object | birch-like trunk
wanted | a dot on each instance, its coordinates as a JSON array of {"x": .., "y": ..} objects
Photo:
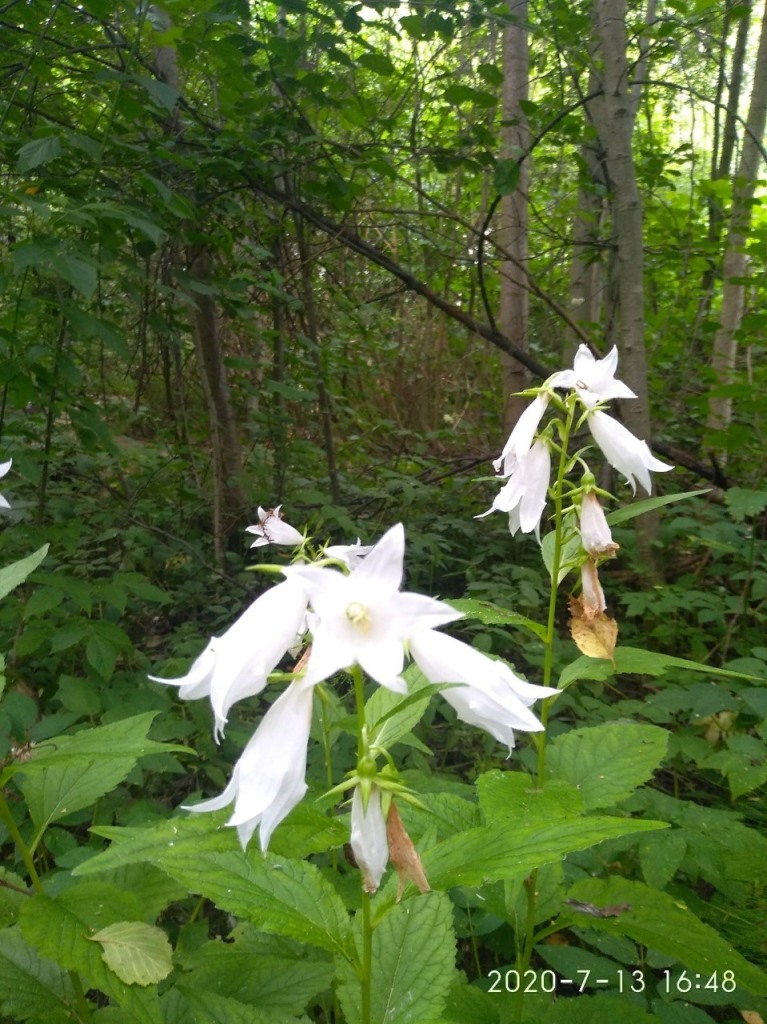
[
  {"x": 515, "y": 140},
  {"x": 735, "y": 262}
]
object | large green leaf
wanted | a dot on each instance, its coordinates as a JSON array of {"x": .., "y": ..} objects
[
  {"x": 515, "y": 795},
  {"x": 31, "y": 985},
  {"x": 492, "y": 853},
  {"x": 59, "y": 934},
  {"x": 607, "y": 762},
  {"x": 70, "y": 773},
  {"x": 413, "y": 964},
  {"x": 638, "y": 508},
  {"x": 261, "y": 970},
  {"x": 637, "y": 661},
  {"x": 15, "y": 573},
  {"x": 280, "y": 895},
  {"x": 187, "y": 1005},
  {"x": 662, "y": 923}
]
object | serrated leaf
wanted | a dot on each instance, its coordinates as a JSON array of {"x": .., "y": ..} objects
[
  {"x": 413, "y": 964},
  {"x": 184, "y": 1004},
  {"x": 516, "y": 795},
  {"x": 662, "y": 923},
  {"x": 71, "y": 773},
  {"x": 30, "y": 985},
  {"x": 280, "y": 895},
  {"x": 14, "y": 574},
  {"x": 661, "y": 856},
  {"x": 138, "y": 953},
  {"x": 607, "y": 762},
  {"x": 743, "y": 502},
  {"x": 492, "y": 853},
  {"x": 61, "y": 935},
  {"x": 38, "y": 152},
  {"x": 251, "y": 972},
  {"x": 493, "y": 615}
]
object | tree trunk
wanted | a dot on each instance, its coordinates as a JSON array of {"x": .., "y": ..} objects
[
  {"x": 515, "y": 142},
  {"x": 229, "y": 502},
  {"x": 735, "y": 263}
]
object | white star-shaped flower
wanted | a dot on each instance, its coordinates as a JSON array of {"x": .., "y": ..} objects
[{"x": 363, "y": 618}]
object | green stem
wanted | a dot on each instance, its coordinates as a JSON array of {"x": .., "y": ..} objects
[
  {"x": 328, "y": 751},
  {"x": 24, "y": 851},
  {"x": 366, "y": 967},
  {"x": 81, "y": 1003},
  {"x": 524, "y": 958}
]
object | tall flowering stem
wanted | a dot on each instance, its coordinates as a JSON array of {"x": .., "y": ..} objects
[
  {"x": 525, "y": 949},
  {"x": 366, "y": 967},
  {"x": 548, "y": 661}
]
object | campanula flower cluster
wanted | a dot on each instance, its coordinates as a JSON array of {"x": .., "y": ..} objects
[
  {"x": 355, "y": 614},
  {"x": 525, "y": 461}
]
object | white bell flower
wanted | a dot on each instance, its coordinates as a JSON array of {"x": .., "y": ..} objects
[
  {"x": 491, "y": 697},
  {"x": 593, "y": 379},
  {"x": 4, "y": 467},
  {"x": 272, "y": 529},
  {"x": 521, "y": 438},
  {"x": 624, "y": 451},
  {"x": 524, "y": 494},
  {"x": 369, "y": 842},
  {"x": 236, "y": 664},
  {"x": 596, "y": 537},
  {"x": 269, "y": 778},
  {"x": 363, "y": 618}
]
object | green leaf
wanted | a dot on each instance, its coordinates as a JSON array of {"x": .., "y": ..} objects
[
  {"x": 638, "y": 661},
  {"x": 257, "y": 970},
  {"x": 638, "y": 508},
  {"x": 72, "y": 772},
  {"x": 493, "y": 615},
  {"x": 14, "y": 574},
  {"x": 492, "y": 853},
  {"x": 662, "y": 923},
  {"x": 31, "y": 985},
  {"x": 661, "y": 856},
  {"x": 184, "y": 1004},
  {"x": 138, "y": 953},
  {"x": 744, "y": 503},
  {"x": 413, "y": 964},
  {"x": 391, "y": 716},
  {"x": 77, "y": 272},
  {"x": 607, "y": 762},
  {"x": 282, "y": 896},
  {"x": 378, "y": 63},
  {"x": 458, "y": 94},
  {"x": 506, "y": 177},
  {"x": 515, "y": 795},
  {"x": 60, "y": 934},
  {"x": 101, "y": 655},
  {"x": 38, "y": 152}
]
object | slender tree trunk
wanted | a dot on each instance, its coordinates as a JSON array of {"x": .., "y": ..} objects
[
  {"x": 587, "y": 266},
  {"x": 515, "y": 141},
  {"x": 725, "y": 138},
  {"x": 735, "y": 262},
  {"x": 229, "y": 502},
  {"x": 613, "y": 114}
]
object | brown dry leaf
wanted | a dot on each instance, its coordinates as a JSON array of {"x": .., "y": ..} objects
[
  {"x": 593, "y": 635},
  {"x": 404, "y": 855},
  {"x": 752, "y": 1017}
]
